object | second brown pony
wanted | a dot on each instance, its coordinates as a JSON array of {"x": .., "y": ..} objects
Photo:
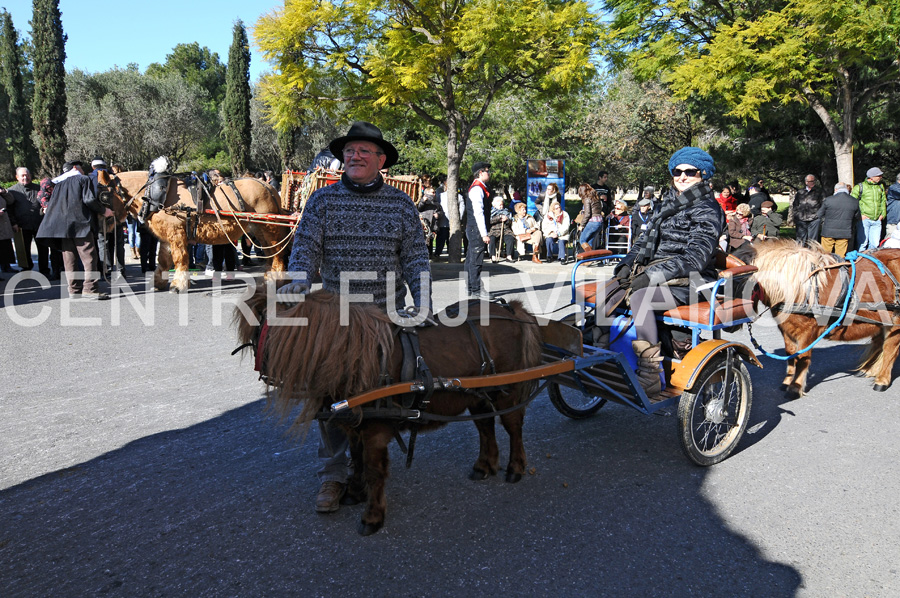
[
  {"x": 793, "y": 278},
  {"x": 171, "y": 227},
  {"x": 324, "y": 361}
]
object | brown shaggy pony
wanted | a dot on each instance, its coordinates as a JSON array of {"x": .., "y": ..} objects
[
  {"x": 323, "y": 362},
  {"x": 169, "y": 225},
  {"x": 791, "y": 275}
]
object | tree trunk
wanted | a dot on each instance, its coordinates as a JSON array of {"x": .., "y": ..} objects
[
  {"x": 456, "y": 148},
  {"x": 843, "y": 153}
]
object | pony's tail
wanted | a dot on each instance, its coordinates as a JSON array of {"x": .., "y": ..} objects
[{"x": 531, "y": 345}]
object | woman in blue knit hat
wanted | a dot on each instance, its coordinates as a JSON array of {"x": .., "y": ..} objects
[{"x": 674, "y": 256}]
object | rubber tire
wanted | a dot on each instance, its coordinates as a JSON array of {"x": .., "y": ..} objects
[
  {"x": 558, "y": 398},
  {"x": 693, "y": 441}
]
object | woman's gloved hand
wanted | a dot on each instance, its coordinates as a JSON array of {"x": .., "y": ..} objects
[
  {"x": 641, "y": 281},
  {"x": 622, "y": 271}
]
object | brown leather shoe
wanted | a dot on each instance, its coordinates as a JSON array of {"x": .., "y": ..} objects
[
  {"x": 587, "y": 247},
  {"x": 329, "y": 498},
  {"x": 535, "y": 258}
]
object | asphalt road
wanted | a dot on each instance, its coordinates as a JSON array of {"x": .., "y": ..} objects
[{"x": 137, "y": 459}]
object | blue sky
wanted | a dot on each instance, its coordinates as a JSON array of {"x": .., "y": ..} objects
[{"x": 106, "y": 34}]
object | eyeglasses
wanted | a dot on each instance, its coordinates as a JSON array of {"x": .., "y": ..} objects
[
  {"x": 688, "y": 172},
  {"x": 362, "y": 153}
]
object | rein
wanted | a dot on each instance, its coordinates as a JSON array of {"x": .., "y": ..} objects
[{"x": 852, "y": 257}]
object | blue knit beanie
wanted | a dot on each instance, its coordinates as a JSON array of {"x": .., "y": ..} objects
[{"x": 695, "y": 157}]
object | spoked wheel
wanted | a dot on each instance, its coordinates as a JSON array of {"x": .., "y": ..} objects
[
  {"x": 574, "y": 403},
  {"x": 713, "y": 416}
]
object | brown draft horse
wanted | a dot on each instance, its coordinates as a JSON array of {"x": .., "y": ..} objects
[
  {"x": 170, "y": 225},
  {"x": 322, "y": 362},
  {"x": 791, "y": 275}
]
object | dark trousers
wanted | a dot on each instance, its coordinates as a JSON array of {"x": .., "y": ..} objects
[
  {"x": 224, "y": 253},
  {"x": 474, "y": 259},
  {"x": 84, "y": 250},
  {"x": 441, "y": 238},
  {"x": 147, "y": 249},
  {"x": 7, "y": 255},
  {"x": 115, "y": 247},
  {"x": 807, "y": 231},
  {"x": 508, "y": 240},
  {"x": 43, "y": 251}
]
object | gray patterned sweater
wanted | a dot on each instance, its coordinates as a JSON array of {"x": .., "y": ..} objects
[{"x": 364, "y": 236}]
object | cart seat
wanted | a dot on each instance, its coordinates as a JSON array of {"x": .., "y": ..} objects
[{"x": 730, "y": 310}]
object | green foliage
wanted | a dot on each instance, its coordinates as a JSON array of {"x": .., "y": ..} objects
[
  {"x": 438, "y": 62},
  {"x": 17, "y": 130},
  {"x": 236, "y": 107},
  {"x": 130, "y": 118},
  {"x": 198, "y": 66},
  {"x": 834, "y": 57},
  {"x": 49, "y": 110}
]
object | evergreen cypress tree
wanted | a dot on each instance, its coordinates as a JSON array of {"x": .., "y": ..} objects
[
  {"x": 49, "y": 109},
  {"x": 18, "y": 132},
  {"x": 237, "y": 101}
]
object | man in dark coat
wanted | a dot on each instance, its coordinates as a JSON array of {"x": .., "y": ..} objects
[
  {"x": 838, "y": 215},
  {"x": 806, "y": 206},
  {"x": 25, "y": 210},
  {"x": 71, "y": 223}
]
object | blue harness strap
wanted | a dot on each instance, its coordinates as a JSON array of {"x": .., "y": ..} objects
[{"x": 852, "y": 257}]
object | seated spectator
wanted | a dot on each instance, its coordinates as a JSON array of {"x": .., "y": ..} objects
[
  {"x": 501, "y": 227},
  {"x": 893, "y": 240},
  {"x": 618, "y": 217},
  {"x": 526, "y": 230},
  {"x": 766, "y": 225},
  {"x": 555, "y": 226},
  {"x": 739, "y": 227}
]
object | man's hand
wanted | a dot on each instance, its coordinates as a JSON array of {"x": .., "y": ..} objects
[
  {"x": 411, "y": 316},
  {"x": 287, "y": 294},
  {"x": 622, "y": 271},
  {"x": 486, "y": 239}
]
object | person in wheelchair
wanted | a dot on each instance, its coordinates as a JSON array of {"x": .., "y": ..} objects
[{"x": 674, "y": 256}]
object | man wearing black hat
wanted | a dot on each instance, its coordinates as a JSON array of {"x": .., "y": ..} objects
[
  {"x": 71, "y": 223},
  {"x": 358, "y": 233},
  {"x": 478, "y": 207}
]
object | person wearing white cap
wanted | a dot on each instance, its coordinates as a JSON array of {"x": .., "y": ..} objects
[{"x": 872, "y": 208}]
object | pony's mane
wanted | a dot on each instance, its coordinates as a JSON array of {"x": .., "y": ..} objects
[
  {"x": 321, "y": 361},
  {"x": 785, "y": 267}
]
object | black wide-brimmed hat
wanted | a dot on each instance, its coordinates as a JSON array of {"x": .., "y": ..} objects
[{"x": 363, "y": 131}]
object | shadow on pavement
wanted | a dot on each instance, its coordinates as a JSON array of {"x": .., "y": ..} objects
[{"x": 225, "y": 508}]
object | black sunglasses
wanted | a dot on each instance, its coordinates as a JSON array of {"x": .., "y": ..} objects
[{"x": 690, "y": 172}]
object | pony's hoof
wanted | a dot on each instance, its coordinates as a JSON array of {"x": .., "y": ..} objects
[
  {"x": 784, "y": 387},
  {"x": 880, "y": 387},
  {"x": 367, "y": 529},
  {"x": 174, "y": 290},
  {"x": 792, "y": 394},
  {"x": 478, "y": 475},
  {"x": 513, "y": 477}
]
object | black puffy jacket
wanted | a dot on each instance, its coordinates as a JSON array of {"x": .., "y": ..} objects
[{"x": 689, "y": 239}]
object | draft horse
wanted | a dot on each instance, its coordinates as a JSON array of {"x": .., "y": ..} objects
[
  {"x": 323, "y": 362},
  {"x": 806, "y": 289},
  {"x": 178, "y": 224}
]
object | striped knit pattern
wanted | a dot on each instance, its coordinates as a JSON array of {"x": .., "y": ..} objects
[{"x": 366, "y": 234}]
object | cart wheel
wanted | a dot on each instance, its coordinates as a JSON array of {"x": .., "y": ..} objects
[
  {"x": 712, "y": 418},
  {"x": 574, "y": 403}
]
